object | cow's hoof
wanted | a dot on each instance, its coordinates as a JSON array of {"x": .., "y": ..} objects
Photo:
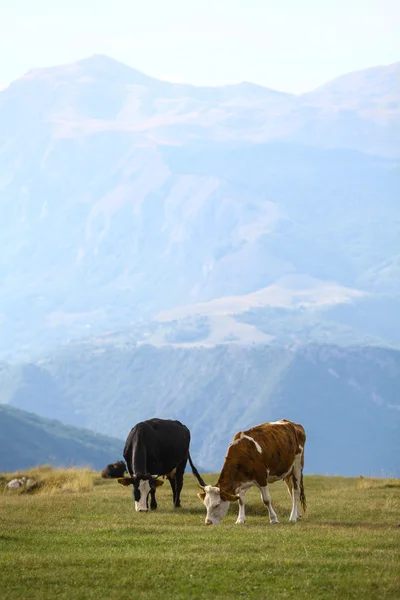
[
  {"x": 153, "y": 507},
  {"x": 276, "y": 522},
  {"x": 240, "y": 522}
]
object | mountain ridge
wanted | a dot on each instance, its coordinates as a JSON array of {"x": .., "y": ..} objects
[
  {"x": 28, "y": 440},
  {"x": 103, "y": 63},
  {"x": 234, "y": 111}
]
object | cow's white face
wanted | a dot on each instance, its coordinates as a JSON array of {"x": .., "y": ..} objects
[
  {"x": 143, "y": 489},
  {"x": 216, "y": 506}
]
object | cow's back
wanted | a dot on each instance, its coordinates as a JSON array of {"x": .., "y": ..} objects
[
  {"x": 277, "y": 432},
  {"x": 156, "y": 446},
  {"x": 266, "y": 448},
  {"x": 301, "y": 434}
]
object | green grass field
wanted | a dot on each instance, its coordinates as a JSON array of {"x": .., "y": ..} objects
[{"x": 62, "y": 542}]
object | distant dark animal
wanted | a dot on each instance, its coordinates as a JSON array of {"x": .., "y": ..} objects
[
  {"x": 155, "y": 448},
  {"x": 114, "y": 470},
  {"x": 259, "y": 456}
]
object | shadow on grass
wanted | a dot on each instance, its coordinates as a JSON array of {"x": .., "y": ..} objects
[
  {"x": 183, "y": 510},
  {"x": 8, "y": 538},
  {"x": 354, "y": 524}
]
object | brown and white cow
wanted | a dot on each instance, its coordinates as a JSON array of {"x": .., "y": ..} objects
[{"x": 257, "y": 457}]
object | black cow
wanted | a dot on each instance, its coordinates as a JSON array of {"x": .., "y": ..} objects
[
  {"x": 154, "y": 448},
  {"x": 114, "y": 470}
]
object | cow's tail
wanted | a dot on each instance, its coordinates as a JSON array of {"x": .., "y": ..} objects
[
  {"x": 195, "y": 472},
  {"x": 302, "y": 494},
  {"x": 301, "y": 440}
]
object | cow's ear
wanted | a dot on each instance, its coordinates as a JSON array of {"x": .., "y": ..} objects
[
  {"x": 157, "y": 483},
  {"x": 125, "y": 481},
  {"x": 202, "y": 496},
  {"x": 225, "y": 496}
]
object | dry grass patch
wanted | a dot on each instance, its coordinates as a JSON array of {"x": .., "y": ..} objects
[
  {"x": 372, "y": 482},
  {"x": 53, "y": 481},
  {"x": 68, "y": 480}
]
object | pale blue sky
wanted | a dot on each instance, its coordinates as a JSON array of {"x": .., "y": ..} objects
[{"x": 291, "y": 45}]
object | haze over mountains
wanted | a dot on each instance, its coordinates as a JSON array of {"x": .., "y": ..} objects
[
  {"x": 123, "y": 197},
  {"x": 152, "y": 228}
]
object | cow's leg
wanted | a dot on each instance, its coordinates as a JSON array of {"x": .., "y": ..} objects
[
  {"x": 242, "y": 501},
  {"x": 172, "y": 480},
  {"x": 179, "y": 483},
  {"x": 289, "y": 485},
  {"x": 296, "y": 478},
  {"x": 266, "y": 498},
  {"x": 153, "y": 501}
]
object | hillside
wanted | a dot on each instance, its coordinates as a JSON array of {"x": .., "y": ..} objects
[
  {"x": 27, "y": 440},
  {"x": 346, "y": 398},
  {"x": 124, "y": 198}
]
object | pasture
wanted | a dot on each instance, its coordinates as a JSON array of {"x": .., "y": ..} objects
[{"x": 79, "y": 537}]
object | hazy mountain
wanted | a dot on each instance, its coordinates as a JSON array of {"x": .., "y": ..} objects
[
  {"x": 199, "y": 239},
  {"x": 100, "y": 94},
  {"x": 123, "y": 197},
  {"x": 371, "y": 91},
  {"x": 362, "y": 110},
  {"x": 27, "y": 440},
  {"x": 346, "y": 398}
]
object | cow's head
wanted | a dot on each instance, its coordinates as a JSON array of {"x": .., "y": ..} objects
[
  {"x": 114, "y": 470},
  {"x": 216, "y": 502},
  {"x": 142, "y": 486}
]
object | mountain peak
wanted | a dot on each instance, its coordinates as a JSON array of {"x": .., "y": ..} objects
[
  {"x": 97, "y": 66},
  {"x": 100, "y": 60},
  {"x": 365, "y": 85},
  {"x": 105, "y": 66}
]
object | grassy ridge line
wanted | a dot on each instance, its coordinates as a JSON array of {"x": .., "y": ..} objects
[{"x": 94, "y": 545}]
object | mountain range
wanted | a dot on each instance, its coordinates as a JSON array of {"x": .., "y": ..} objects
[
  {"x": 224, "y": 256},
  {"x": 133, "y": 204},
  {"x": 346, "y": 398}
]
